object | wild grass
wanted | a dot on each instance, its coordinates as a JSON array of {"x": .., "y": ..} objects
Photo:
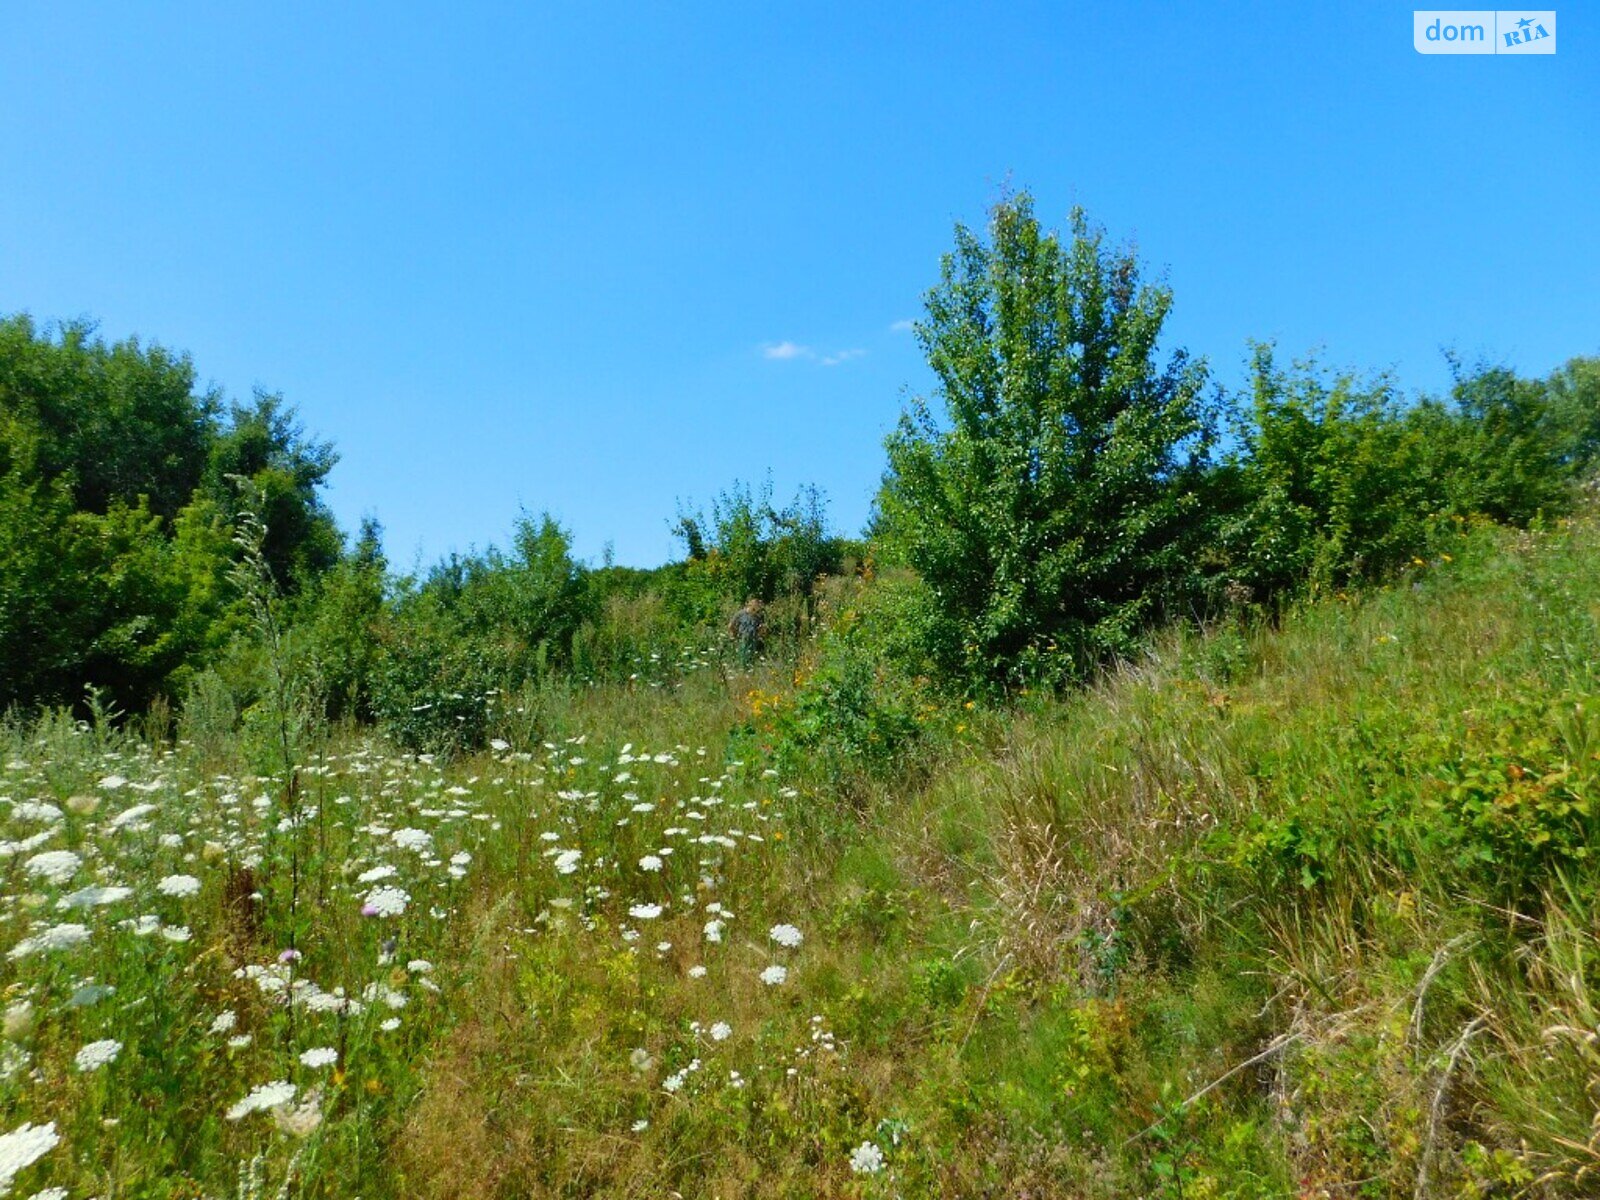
[{"x": 1293, "y": 908}]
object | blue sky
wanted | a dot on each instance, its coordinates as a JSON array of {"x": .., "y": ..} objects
[{"x": 536, "y": 256}]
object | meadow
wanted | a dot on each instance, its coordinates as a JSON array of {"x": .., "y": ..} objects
[
  {"x": 1296, "y": 908},
  {"x": 1171, "y": 793}
]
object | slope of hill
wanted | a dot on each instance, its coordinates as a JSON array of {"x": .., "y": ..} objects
[{"x": 1294, "y": 911}]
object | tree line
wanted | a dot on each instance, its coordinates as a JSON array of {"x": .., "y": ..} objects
[{"x": 1071, "y": 483}]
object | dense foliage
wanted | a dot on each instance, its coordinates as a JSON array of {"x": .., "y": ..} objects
[
  {"x": 1076, "y": 492},
  {"x": 1057, "y": 513},
  {"x": 119, "y": 485}
]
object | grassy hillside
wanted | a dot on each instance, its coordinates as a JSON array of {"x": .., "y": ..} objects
[{"x": 1293, "y": 911}]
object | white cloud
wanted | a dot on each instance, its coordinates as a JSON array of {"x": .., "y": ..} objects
[
  {"x": 787, "y": 350},
  {"x": 902, "y": 326},
  {"x": 841, "y": 356}
]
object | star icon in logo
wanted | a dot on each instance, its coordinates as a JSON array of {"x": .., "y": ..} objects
[{"x": 1524, "y": 23}]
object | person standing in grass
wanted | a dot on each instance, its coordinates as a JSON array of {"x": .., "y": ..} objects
[{"x": 746, "y": 627}]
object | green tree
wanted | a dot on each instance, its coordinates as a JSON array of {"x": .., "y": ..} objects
[
  {"x": 345, "y": 622},
  {"x": 264, "y": 444},
  {"x": 1054, "y": 514},
  {"x": 118, "y": 492},
  {"x": 113, "y": 422}
]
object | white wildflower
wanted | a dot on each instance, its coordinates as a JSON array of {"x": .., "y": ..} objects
[
  {"x": 57, "y": 937},
  {"x": 23, "y": 1147},
  {"x": 261, "y": 1098},
  {"x": 650, "y": 862},
  {"x": 132, "y": 818},
  {"x": 321, "y": 1056},
  {"x": 417, "y": 840},
  {"x": 178, "y": 885},
  {"x": 386, "y": 901},
  {"x": 93, "y": 896},
  {"x": 774, "y": 975},
  {"x": 866, "y": 1159},
  {"x": 57, "y": 866},
  {"x": 97, "y": 1054}
]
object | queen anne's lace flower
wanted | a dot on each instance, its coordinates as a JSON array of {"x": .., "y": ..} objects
[
  {"x": 57, "y": 866},
  {"x": 23, "y": 1147},
  {"x": 97, "y": 1054},
  {"x": 261, "y": 1098},
  {"x": 57, "y": 937},
  {"x": 386, "y": 901},
  {"x": 866, "y": 1159}
]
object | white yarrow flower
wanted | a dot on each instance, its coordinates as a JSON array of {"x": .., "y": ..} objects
[
  {"x": 786, "y": 935},
  {"x": 774, "y": 975},
  {"x": 322, "y": 1056},
  {"x": 650, "y": 862},
  {"x": 179, "y": 885}
]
